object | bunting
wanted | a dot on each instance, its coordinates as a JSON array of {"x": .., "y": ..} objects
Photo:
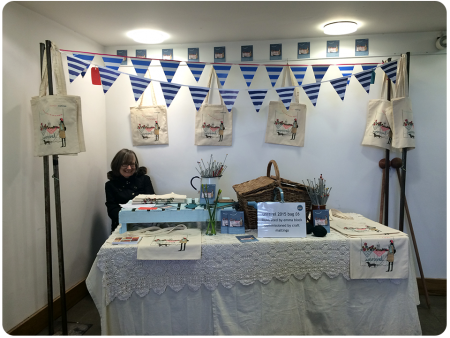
[
  {"x": 257, "y": 96},
  {"x": 76, "y": 66},
  {"x": 285, "y": 95},
  {"x": 112, "y": 62},
  {"x": 138, "y": 84},
  {"x": 390, "y": 69},
  {"x": 249, "y": 73},
  {"x": 340, "y": 85},
  {"x": 229, "y": 97},
  {"x": 108, "y": 77},
  {"x": 319, "y": 72},
  {"x": 140, "y": 66},
  {"x": 367, "y": 66},
  {"x": 222, "y": 72},
  {"x": 346, "y": 71},
  {"x": 274, "y": 73},
  {"x": 312, "y": 91},
  {"x": 299, "y": 73},
  {"x": 364, "y": 78},
  {"x": 196, "y": 69},
  {"x": 169, "y": 68},
  {"x": 85, "y": 57},
  {"x": 198, "y": 95},
  {"x": 169, "y": 90}
]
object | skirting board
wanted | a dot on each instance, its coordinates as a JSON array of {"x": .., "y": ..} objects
[
  {"x": 435, "y": 286},
  {"x": 39, "y": 320}
]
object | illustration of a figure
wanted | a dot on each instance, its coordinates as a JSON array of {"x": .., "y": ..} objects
[
  {"x": 221, "y": 129},
  {"x": 157, "y": 131},
  {"x": 183, "y": 241},
  {"x": 224, "y": 222},
  {"x": 62, "y": 132},
  {"x": 390, "y": 256},
  {"x": 294, "y": 129}
]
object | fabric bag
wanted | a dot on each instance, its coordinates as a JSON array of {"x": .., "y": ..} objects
[
  {"x": 400, "y": 115},
  {"x": 284, "y": 126},
  {"x": 213, "y": 122},
  {"x": 57, "y": 122},
  {"x": 149, "y": 123}
]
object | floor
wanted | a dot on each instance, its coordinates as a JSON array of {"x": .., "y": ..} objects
[{"x": 83, "y": 318}]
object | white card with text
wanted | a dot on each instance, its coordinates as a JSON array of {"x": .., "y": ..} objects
[{"x": 277, "y": 219}]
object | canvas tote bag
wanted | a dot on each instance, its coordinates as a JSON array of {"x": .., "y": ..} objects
[
  {"x": 57, "y": 122},
  {"x": 284, "y": 126},
  {"x": 149, "y": 123},
  {"x": 400, "y": 114},
  {"x": 213, "y": 122}
]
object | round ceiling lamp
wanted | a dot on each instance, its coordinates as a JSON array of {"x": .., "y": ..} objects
[
  {"x": 148, "y": 36},
  {"x": 340, "y": 27}
]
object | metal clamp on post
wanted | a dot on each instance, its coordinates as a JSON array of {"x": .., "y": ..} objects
[{"x": 281, "y": 195}]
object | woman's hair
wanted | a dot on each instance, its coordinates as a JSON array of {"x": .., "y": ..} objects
[{"x": 124, "y": 156}]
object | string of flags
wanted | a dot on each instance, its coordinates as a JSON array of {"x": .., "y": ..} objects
[{"x": 78, "y": 63}]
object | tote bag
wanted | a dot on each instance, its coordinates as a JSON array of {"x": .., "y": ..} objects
[
  {"x": 149, "y": 123},
  {"x": 284, "y": 126},
  {"x": 213, "y": 122},
  {"x": 57, "y": 122}
]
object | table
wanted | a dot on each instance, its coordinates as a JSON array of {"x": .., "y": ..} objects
[{"x": 276, "y": 286}]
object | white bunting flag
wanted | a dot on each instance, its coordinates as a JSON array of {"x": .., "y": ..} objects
[
  {"x": 346, "y": 70},
  {"x": 229, "y": 97},
  {"x": 299, "y": 73},
  {"x": 140, "y": 66},
  {"x": 222, "y": 71},
  {"x": 169, "y": 90},
  {"x": 312, "y": 91},
  {"x": 198, "y": 95},
  {"x": 364, "y": 78},
  {"x": 274, "y": 73},
  {"x": 108, "y": 77},
  {"x": 139, "y": 84},
  {"x": 390, "y": 69},
  {"x": 249, "y": 73},
  {"x": 169, "y": 68},
  {"x": 340, "y": 85},
  {"x": 85, "y": 57},
  {"x": 196, "y": 69},
  {"x": 257, "y": 96},
  {"x": 319, "y": 72},
  {"x": 112, "y": 62},
  {"x": 76, "y": 66},
  {"x": 285, "y": 95}
]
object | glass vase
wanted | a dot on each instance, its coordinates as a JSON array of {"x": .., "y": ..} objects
[{"x": 211, "y": 227}]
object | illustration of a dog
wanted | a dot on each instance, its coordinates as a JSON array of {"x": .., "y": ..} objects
[
  {"x": 144, "y": 136},
  {"x": 280, "y": 133},
  {"x": 375, "y": 135},
  {"x": 46, "y": 142},
  {"x": 371, "y": 265},
  {"x": 208, "y": 136}
]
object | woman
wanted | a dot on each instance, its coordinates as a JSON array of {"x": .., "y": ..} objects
[{"x": 126, "y": 181}]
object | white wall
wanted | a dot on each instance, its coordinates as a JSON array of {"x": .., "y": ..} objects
[
  {"x": 82, "y": 177},
  {"x": 334, "y": 133}
]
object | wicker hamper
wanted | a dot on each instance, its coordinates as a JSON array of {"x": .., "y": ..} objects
[{"x": 262, "y": 190}]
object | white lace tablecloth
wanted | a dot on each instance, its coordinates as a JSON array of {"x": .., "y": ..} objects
[{"x": 224, "y": 261}]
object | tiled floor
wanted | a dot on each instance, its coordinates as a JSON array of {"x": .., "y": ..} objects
[{"x": 433, "y": 321}]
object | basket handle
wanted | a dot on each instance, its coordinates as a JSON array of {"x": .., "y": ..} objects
[{"x": 277, "y": 172}]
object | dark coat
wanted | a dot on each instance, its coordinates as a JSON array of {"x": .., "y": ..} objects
[{"x": 119, "y": 190}]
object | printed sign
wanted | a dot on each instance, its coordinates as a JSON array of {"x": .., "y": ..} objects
[{"x": 281, "y": 219}]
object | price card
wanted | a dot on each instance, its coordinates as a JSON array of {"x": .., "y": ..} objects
[{"x": 281, "y": 219}]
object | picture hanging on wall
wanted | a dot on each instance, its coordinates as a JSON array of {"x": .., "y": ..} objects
[
  {"x": 303, "y": 50},
  {"x": 219, "y": 54},
  {"x": 333, "y": 48},
  {"x": 167, "y": 54},
  {"x": 141, "y": 53},
  {"x": 275, "y": 51},
  {"x": 247, "y": 53},
  {"x": 123, "y": 52},
  {"x": 361, "y": 47},
  {"x": 213, "y": 125},
  {"x": 193, "y": 54}
]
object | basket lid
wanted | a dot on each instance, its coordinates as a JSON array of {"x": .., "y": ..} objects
[{"x": 253, "y": 185}]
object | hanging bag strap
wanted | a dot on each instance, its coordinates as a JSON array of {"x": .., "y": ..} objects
[
  {"x": 58, "y": 73},
  {"x": 213, "y": 73},
  {"x": 294, "y": 83},
  {"x": 401, "y": 84}
]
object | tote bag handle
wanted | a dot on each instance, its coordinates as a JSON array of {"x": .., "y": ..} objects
[
  {"x": 58, "y": 72},
  {"x": 213, "y": 73}
]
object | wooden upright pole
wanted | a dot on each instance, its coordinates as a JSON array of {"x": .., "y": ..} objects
[{"x": 386, "y": 170}]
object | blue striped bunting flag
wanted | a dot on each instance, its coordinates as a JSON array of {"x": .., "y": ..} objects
[
  {"x": 319, "y": 72},
  {"x": 364, "y": 78},
  {"x": 169, "y": 90},
  {"x": 249, "y": 73},
  {"x": 222, "y": 72},
  {"x": 76, "y": 66},
  {"x": 299, "y": 73},
  {"x": 108, "y": 77},
  {"x": 198, "y": 95},
  {"x": 169, "y": 68},
  {"x": 138, "y": 84},
  {"x": 390, "y": 69},
  {"x": 346, "y": 71},
  {"x": 312, "y": 91},
  {"x": 367, "y": 66},
  {"x": 229, "y": 97},
  {"x": 140, "y": 66},
  {"x": 85, "y": 57},
  {"x": 112, "y": 62},
  {"x": 257, "y": 96},
  {"x": 196, "y": 69},
  {"x": 340, "y": 85},
  {"x": 274, "y": 73},
  {"x": 285, "y": 95}
]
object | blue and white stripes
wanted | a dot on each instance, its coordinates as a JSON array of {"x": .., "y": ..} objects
[
  {"x": 76, "y": 66},
  {"x": 312, "y": 91},
  {"x": 274, "y": 73},
  {"x": 229, "y": 97},
  {"x": 108, "y": 77},
  {"x": 248, "y": 72},
  {"x": 364, "y": 78},
  {"x": 285, "y": 95},
  {"x": 169, "y": 90},
  {"x": 319, "y": 72},
  {"x": 169, "y": 68},
  {"x": 222, "y": 72},
  {"x": 340, "y": 85},
  {"x": 140, "y": 66},
  {"x": 198, "y": 95},
  {"x": 112, "y": 62},
  {"x": 299, "y": 73},
  {"x": 368, "y": 66},
  {"x": 390, "y": 69},
  {"x": 139, "y": 84},
  {"x": 257, "y": 96},
  {"x": 196, "y": 69},
  {"x": 346, "y": 71},
  {"x": 85, "y": 57}
]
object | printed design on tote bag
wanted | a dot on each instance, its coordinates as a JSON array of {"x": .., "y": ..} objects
[
  {"x": 213, "y": 127},
  {"x": 285, "y": 124},
  {"x": 149, "y": 127},
  {"x": 408, "y": 131},
  {"x": 52, "y": 127},
  {"x": 381, "y": 128},
  {"x": 374, "y": 254}
]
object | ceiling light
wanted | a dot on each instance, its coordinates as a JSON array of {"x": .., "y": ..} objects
[
  {"x": 148, "y": 36},
  {"x": 340, "y": 27}
]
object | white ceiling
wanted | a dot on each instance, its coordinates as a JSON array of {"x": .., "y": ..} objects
[{"x": 106, "y": 22}]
